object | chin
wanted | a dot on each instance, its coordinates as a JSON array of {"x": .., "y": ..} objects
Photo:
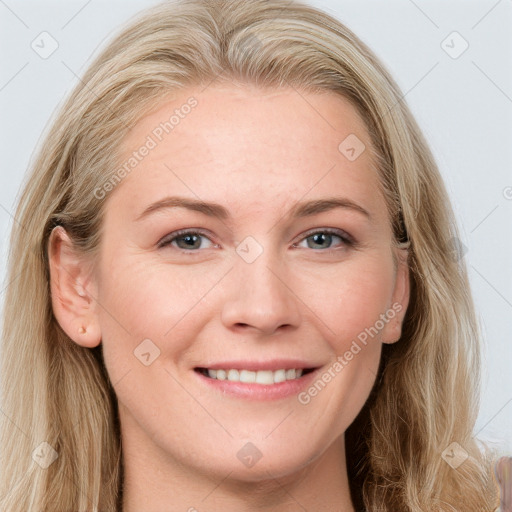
[{"x": 257, "y": 461}]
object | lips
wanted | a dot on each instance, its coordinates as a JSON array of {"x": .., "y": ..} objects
[
  {"x": 258, "y": 380},
  {"x": 265, "y": 373}
]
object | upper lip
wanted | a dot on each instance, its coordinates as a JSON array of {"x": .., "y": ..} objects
[{"x": 272, "y": 365}]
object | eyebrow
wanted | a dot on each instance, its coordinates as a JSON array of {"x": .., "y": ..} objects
[{"x": 301, "y": 209}]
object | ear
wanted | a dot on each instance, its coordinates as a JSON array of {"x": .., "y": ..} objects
[
  {"x": 73, "y": 290},
  {"x": 400, "y": 299}
]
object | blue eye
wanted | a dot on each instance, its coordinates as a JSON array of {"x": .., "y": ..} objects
[
  {"x": 324, "y": 239},
  {"x": 189, "y": 240},
  {"x": 186, "y": 240}
]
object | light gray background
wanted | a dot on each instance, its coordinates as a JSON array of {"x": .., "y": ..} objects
[{"x": 463, "y": 104}]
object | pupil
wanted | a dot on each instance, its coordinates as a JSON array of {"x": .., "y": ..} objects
[
  {"x": 321, "y": 239},
  {"x": 190, "y": 240}
]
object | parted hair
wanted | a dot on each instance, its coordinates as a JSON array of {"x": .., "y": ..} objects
[{"x": 54, "y": 391}]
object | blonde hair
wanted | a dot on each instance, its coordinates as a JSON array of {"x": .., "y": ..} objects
[{"x": 426, "y": 394}]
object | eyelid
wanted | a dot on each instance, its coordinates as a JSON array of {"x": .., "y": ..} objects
[
  {"x": 170, "y": 237},
  {"x": 346, "y": 237}
]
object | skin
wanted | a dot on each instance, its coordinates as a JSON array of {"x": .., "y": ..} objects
[
  {"x": 256, "y": 152},
  {"x": 503, "y": 472}
]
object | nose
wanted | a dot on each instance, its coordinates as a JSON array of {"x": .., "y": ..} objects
[{"x": 261, "y": 298}]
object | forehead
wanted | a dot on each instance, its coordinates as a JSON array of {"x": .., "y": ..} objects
[{"x": 247, "y": 144}]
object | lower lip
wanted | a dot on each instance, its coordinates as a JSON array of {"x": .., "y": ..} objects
[{"x": 253, "y": 391}]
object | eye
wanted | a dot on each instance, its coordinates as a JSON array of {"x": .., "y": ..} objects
[
  {"x": 325, "y": 239},
  {"x": 186, "y": 240},
  {"x": 190, "y": 240}
]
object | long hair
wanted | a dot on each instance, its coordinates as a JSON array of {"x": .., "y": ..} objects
[{"x": 57, "y": 398}]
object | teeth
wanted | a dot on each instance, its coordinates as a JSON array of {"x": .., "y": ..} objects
[
  {"x": 234, "y": 375},
  {"x": 265, "y": 377},
  {"x": 290, "y": 374},
  {"x": 279, "y": 376},
  {"x": 247, "y": 376}
]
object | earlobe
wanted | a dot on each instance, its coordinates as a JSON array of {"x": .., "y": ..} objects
[
  {"x": 73, "y": 290},
  {"x": 400, "y": 300}
]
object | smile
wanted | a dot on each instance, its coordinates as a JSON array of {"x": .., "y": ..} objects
[
  {"x": 257, "y": 381},
  {"x": 263, "y": 377}
]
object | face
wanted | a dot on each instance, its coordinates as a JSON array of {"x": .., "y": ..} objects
[{"x": 247, "y": 280}]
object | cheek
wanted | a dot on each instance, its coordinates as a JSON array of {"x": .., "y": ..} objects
[
  {"x": 143, "y": 300},
  {"x": 351, "y": 301},
  {"x": 351, "y": 310},
  {"x": 353, "y": 306}
]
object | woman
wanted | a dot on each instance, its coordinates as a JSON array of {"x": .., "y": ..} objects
[{"x": 242, "y": 291}]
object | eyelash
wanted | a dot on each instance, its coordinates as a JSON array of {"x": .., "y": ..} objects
[{"x": 345, "y": 237}]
